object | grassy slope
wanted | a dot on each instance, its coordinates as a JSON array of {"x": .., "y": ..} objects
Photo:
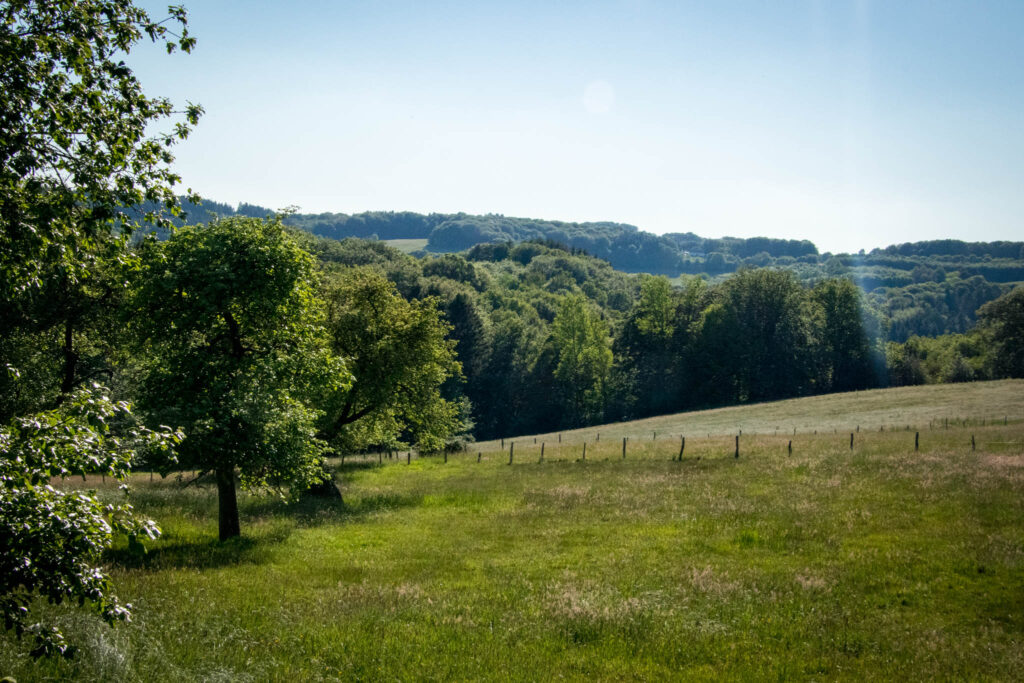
[
  {"x": 823, "y": 564},
  {"x": 891, "y": 408},
  {"x": 407, "y": 245}
]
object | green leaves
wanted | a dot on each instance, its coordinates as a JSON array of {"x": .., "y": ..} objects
[
  {"x": 400, "y": 356},
  {"x": 233, "y": 348},
  {"x": 51, "y": 538}
]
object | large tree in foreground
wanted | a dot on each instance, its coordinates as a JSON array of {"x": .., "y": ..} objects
[
  {"x": 235, "y": 352},
  {"x": 79, "y": 140}
]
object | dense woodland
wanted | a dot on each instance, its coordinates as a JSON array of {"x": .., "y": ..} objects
[{"x": 549, "y": 338}]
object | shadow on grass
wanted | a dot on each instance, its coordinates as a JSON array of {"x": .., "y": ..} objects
[
  {"x": 199, "y": 554},
  {"x": 276, "y": 519}
]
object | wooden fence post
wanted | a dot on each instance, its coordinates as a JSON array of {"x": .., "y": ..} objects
[
  {"x": 511, "y": 450},
  {"x": 584, "y": 451},
  {"x": 623, "y": 448},
  {"x": 851, "y": 441},
  {"x": 682, "y": 447},
  {"x": 790, "y": 447},
  {"x": 478, "y": 454},
  {"x": 917, "y": 440},
  {"x": 972, "y": 442},
  {"x": 542, "y": 451},
  {"x": 737, "y": 445}
]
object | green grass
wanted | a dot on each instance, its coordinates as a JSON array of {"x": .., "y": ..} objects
[
  {"x": 826, "y": 564},
  {"x": 407, "y": 245}
]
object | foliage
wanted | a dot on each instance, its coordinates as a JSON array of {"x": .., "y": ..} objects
[
  {"x": 234, "y": 350},
  {"x": 1003, "y": 323},
  {"x": 399, "y": 355},
  {"x": 583, "y": 345},
  {"x": 76, "y": 137},
  {"x": 51, "y": 538}
]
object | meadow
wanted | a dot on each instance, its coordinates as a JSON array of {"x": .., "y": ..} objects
[{"x": 823, "y": 562}]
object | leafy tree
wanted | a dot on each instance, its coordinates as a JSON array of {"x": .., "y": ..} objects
[
  {"x": 77, "y": 143},
  {"x": 844, "y": 335},
  {"x": 399, "y": 355},
  {"x": 1003, "y": 322},
  {"x": 584, "y": 358},
  {"x": 234, "y": 351},
  {"x": 644, "y": 349},
  {"x": 51, "y": 538},
  {"x": 759, "y": 335}
]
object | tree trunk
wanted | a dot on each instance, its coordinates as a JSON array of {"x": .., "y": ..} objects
[{"x": 227, "y": 503}]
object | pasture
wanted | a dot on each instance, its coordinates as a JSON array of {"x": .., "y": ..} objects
[{"x": 825, "y": 562}]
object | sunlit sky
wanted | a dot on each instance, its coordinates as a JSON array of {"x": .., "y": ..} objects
[{"x": 852, "y": 124}]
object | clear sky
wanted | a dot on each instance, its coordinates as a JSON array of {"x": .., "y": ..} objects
[{"x": 852, "y": 124}]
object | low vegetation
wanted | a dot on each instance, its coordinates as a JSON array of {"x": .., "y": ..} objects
[{"x": 828, "y": 563}]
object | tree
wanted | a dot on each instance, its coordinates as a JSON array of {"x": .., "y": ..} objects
[
  {"x": 76, "y": 142},
  {"x": 234, "y": 351},
  {"x": 644, "y": 348},
  {"x": 76, "y": 146},
  {"x": 399, "y": 355},
  {"x": 1003, "y": 322},
  {"x": 757, "y": 338},
  {"x": 51, "y": 538},
  {"x": 844, "y": 335},
  {"x": 584, "y": 358}
]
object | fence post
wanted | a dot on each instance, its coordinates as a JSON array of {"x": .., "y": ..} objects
[
  {"x": 917, "y": 440},
  {"x": 584, "y": 451},
  {"x": 851, "y": 441},
  {"x": 408, "y": 458},
  {"x": 503, "y": 443},
  {"x": 559, "y": 437},
  {"x": 478, "y": 454},
  {"x": 737, "y": 445},
  {"x": 511, "y": 450},
  {"x": 623, "y": 448},
  {"x": 682, "y": 447},
  {"x": 542, "y": 451},
  {"x": 790, "y": 447},
  {"x": 972, "y": 442}
]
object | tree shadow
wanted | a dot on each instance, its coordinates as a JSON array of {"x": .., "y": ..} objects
[{"x": 208, "y": 553}]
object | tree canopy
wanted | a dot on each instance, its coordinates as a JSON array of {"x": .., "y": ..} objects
[
  {"x": 399, "y": 355},
  {"x": 234, "y": 350}
]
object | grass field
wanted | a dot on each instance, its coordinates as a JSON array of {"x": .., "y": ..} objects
[
  {"x": 826, "y": 564},
  {"x": 407, "y": 245}
]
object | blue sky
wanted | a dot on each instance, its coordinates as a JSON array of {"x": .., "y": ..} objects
[{"x": 852, "y": 124}]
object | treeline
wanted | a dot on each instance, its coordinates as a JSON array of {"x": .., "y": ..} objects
[
  {"x": 550, "y": 338},
  {"x": 922, "y": 288}
]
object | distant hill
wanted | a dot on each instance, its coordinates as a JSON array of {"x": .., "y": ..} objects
[{"x": 922, "y": 288}]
